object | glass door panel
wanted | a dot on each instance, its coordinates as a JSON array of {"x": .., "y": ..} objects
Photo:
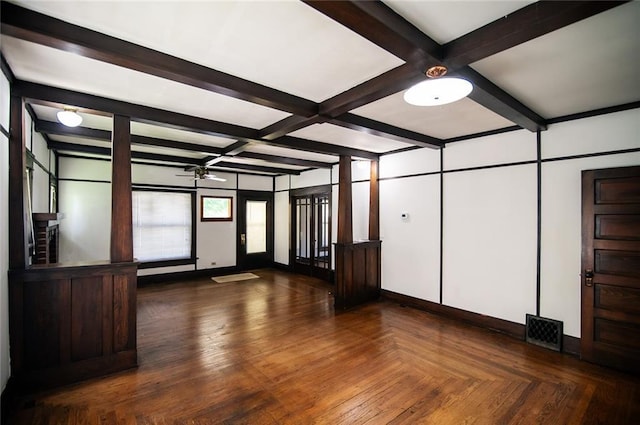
[{"x": 256, "y": 226}]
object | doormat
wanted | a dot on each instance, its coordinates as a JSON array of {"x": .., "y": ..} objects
[{"x": 234, "y": 277}]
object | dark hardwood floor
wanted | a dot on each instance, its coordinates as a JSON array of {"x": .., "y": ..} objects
[{"x": 272, "y": 351}]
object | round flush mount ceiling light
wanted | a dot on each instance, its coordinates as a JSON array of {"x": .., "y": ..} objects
[
  {"x": 69, "y": 117},
  {"x": 438, "y": 90}
]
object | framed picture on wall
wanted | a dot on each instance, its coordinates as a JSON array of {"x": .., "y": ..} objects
[{"x": 216, "y": 208}]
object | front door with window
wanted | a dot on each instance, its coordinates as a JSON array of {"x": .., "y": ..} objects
[
  {"x": 255, "y": 229},
  {"x": 311, "y": 233},
  {"x": 611, "y": 267}
]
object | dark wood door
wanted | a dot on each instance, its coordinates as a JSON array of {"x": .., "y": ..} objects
[
  {"x": 311, "y": 233},
  {"x": 255, "y": 230},
  {"x": 611, "y": 267}
]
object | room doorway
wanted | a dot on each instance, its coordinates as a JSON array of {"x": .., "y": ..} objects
[
  {"x": 255, "y": 230},
  {"x": 311, "y": 232},
  {"x": 611, "y": 267}
]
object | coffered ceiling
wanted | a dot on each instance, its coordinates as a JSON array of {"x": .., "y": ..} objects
[{"x": 277, "y": 87}]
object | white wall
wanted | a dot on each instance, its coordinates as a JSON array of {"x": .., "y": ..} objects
[
  {"x": 216, "y": 242},
  {"x": 4, "y": 230},
  {"x": 490, "y": 218}
]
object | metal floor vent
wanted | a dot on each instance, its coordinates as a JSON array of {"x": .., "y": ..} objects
[{"x": 544, "y": 332}]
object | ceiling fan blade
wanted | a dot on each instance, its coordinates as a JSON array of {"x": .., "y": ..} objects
[{"x": 212, "y": 177}]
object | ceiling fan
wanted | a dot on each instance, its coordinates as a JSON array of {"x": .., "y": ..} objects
[{"x": 201, "y": 173}]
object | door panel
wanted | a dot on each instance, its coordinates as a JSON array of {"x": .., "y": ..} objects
[
  {"x": 611, "y": 267},
  {"x": 255, "y": 229}
]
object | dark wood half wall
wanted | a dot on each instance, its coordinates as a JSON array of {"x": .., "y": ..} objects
[{"x": 71, "y": 323}]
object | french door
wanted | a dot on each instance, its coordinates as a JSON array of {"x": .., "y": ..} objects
[
  {"x": 255, "y": 230},
  {"x": 311, "y": 232},
  {"x": 611, "y": 267}
]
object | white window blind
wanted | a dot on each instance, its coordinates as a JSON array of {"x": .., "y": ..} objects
[{"x": 161, "y": 225}]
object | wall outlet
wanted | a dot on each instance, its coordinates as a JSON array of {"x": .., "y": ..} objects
[{"x": 213, "y": 263}]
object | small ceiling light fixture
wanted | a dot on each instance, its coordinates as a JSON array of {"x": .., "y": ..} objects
[
  {"x": 438, "y": 90},
  {"x": 69, "y": 117}
]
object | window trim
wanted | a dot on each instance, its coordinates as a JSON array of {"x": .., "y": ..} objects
[{"x": 229, "y": 216}]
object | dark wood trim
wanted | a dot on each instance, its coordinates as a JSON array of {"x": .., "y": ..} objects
[
  {"x": 17, "y": 162},
  {"x": 530, "y": 22},
  {"x": 121, "y": 204},
  {"x": 189, "y": 274},
  {"x": 482, "y": 134},
  {"x": 570, "y": 345},
  {"x": 6, "y": 69},
  {"x": 345, "y": 225},
  {"x": 235, "y": 148},
  {"x": 441, "y": 236},
  {"x": 285, "y": 160},
  {"x": 374, "y": 201},
  {"x": 321, "y": 147},
  {"x": 260, "y": 168},
  {"x": 4, "y": 131},
  {"x": 213, "y": 219},
  {"x": 538, "y": 218},
  {"x": 167, "y": 263},
  {"x": 35, "y": 27},
  {"x": 591, "y": 155},
  {"x": 595, "y": 112},
  {"x": 377, "y": 128},
  {"x": 58, "y": 129}
]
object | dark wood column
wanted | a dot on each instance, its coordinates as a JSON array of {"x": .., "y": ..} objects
[
  {"x": 17, "y": 183},
  {"x": 357, "y": 264},
  {"x": 345, "y": 224},
  {"x": 374, "y": 203},
  {"x": 121, "y": 224}
]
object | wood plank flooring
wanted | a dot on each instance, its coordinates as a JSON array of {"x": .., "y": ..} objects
[{"x": 272, "y": 351}]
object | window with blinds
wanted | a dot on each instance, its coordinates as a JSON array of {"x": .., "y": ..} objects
[{"x": 162, "y": 225}]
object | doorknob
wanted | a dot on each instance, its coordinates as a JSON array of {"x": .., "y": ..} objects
[
  {"x": 588, "y": 277},
  {"x": 243, "y": 239}
]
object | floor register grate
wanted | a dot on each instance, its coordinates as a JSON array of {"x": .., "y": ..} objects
[{"x": 544, "y": 332}]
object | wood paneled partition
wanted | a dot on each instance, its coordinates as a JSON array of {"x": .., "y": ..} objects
[
  {"x": 358, "y": 265},
  {"x": 70, "y": 323}
]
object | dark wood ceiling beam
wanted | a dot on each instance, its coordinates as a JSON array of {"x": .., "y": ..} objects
[
  {"x": 289, "y": 125},
  {"x": 359, "y": 123},
  {"x": 321, "y": 147},
  {"x": 97, "y": 150},
  {"x": 525, "y": 24},
  {"x": 235, "y": 148},
  {"x": 54, "y": 128},
  {"x": 386, "y": 84},
  {"x": 259, "y": 168},
  {"x": 380, "y": 24},
  {"x": 58, "y": 129},
  {"x": 146, "y": 114},
  {"x": 38, "y": 92},
  {"x": 284, "y": 160},
  {"x": 32, "y": 26}
]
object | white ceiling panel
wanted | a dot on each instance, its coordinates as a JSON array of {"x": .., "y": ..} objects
[
  {"x": 333, "y": 134},
  {"x": 285, "y": 45},
  {"x": 167, "y": 133},
  {"x": 589, "y": 65},
  {"x": 444, "y": 21},
  {"x": 454, "y": 119},
  {"x": 45, "y": 65}
]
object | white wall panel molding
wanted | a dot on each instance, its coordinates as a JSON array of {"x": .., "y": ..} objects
[
  {"x": 251, "y": 182},
  {"x": 216, "y": 240},
  {"x": 416, "y": 161},
  {"x": 602, "y": 133},
  {"x": 311, "y": 178}
]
